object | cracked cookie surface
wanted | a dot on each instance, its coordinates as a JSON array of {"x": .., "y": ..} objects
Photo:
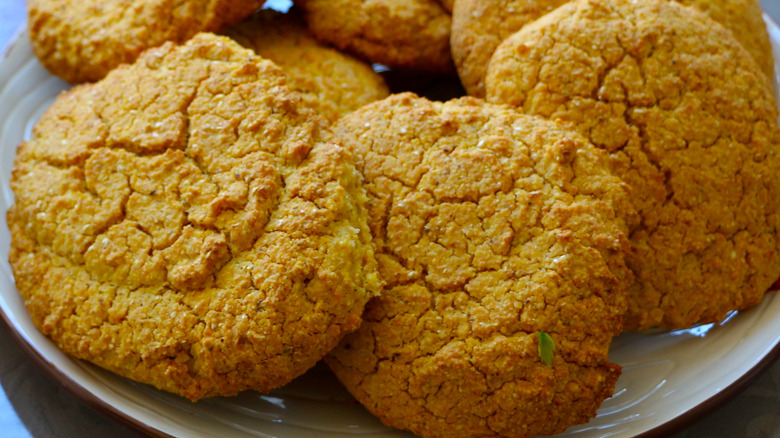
[
  {"x": 490, "y": 226},
  {"x": 82, "y": 40},
  {"x": 331, "y": 82},
  {"x": 180, "y": 223},
  {"x": 690, "y": 124},
  {"x": 479, "y": 26},
  {"x": 407, "y": 34}
]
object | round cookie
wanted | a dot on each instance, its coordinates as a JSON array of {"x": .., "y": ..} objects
[
  {"x": 181, "y": 224},
  {"x": 490, "y": 227},
  {"x": 331, "y": 82},
  {"x": 81, "y": 41},
  {"x": 409, "y": 34},
  {"x": 479, "y": 26},
  {"x": 690, "y": 125}
]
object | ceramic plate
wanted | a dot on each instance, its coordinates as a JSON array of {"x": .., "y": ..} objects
[{"x": 668, "y": 378}]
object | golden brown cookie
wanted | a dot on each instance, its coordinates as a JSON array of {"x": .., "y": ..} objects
[
  {"x": 179, "y": 223},
  {"x": 331, "y": 82},
  {"x": 411, "y": 34},
  {"x": 479, "y": 26},
  {"x": 82, "y": 40},
  {"x": 490, "y": 228},
  {"x": 690, "y": 124}
]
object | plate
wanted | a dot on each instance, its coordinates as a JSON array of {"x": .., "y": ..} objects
[{"x": 669, "y": 377}]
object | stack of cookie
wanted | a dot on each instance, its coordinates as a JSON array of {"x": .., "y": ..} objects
[{"x": 206, "y": 221}]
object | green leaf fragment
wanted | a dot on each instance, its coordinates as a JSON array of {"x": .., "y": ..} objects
[{"x": 546, "y": 348}]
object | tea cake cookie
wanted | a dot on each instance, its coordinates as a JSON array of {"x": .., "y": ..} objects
[
  {"x": 690, "y": 124},
  {"x": 409, "y": 34},
  {"x": 331, "y": 82},
  {"x": 81, "y": 41},
  {"x": 479, "y": 26},
  {"x": 491, "y": 229},
  {"x": 181, "y": 224}
]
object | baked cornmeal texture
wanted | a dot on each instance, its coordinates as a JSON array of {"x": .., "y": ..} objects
[
  {"x": 331, "y": 82},
  {"x": 180, "y": 223},
  {"x": 690, "y": 124},
  {"x": 406, "y": 34},
  {"x": 490, "y": 227},
  {"x": 479, "y": 26},
  {"x": 82, "y": 40}
]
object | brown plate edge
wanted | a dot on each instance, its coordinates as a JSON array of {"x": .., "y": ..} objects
[
  {"x": 682, "y": 421},
  {"x": 81, "y": 393},
  {"x": 707, "y": 407}
]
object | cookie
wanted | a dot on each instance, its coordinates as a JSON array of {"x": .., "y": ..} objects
[
  {"x": 690, "y": 125},
  {"x": 479, "y": 26},
  {"x": 490, "y": 228},
  {"x": 408, "y": 34},
  {"x": 331, "y": 82},
  {"x": 81, "y": 41},
  {"x": 181, "y": 224}
]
